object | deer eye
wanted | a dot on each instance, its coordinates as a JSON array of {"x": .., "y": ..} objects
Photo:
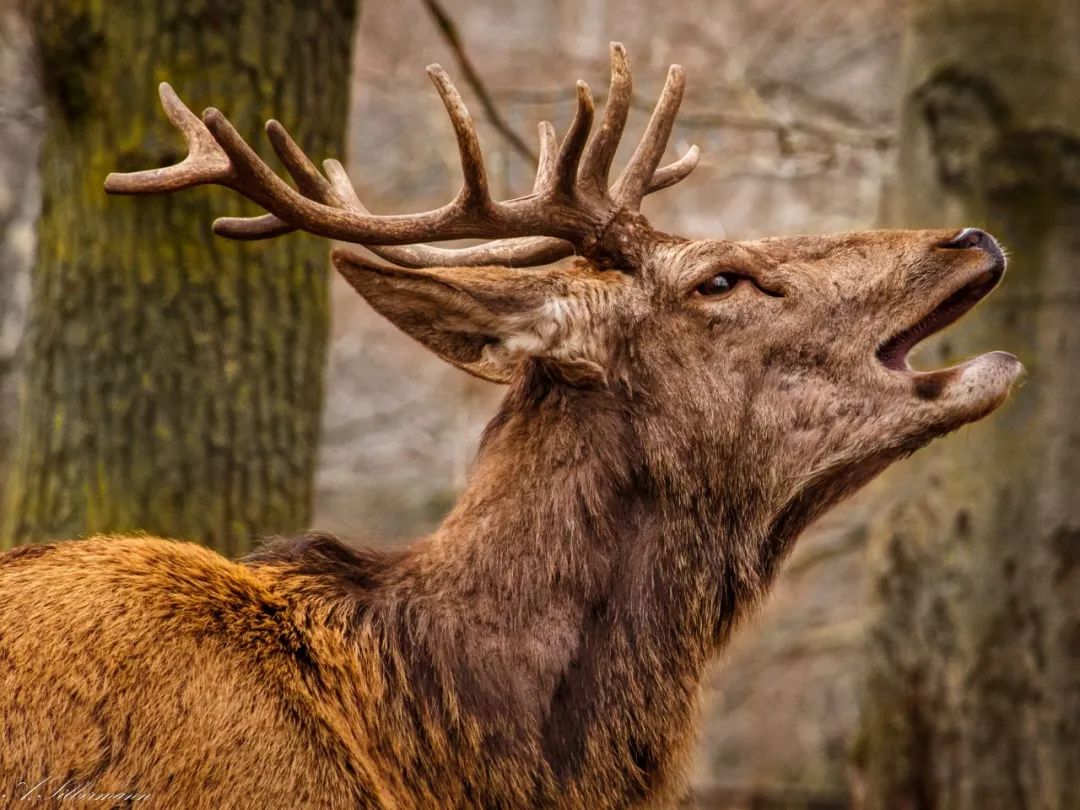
[{"x": 720, "y": 284}]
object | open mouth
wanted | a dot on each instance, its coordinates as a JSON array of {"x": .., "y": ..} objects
[{"x": 893, "y": 353}]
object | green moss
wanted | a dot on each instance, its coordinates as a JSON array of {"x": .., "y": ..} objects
[{"x": 159, "y": 385}]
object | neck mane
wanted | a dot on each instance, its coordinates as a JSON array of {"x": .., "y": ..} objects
[{"x": 562, "y": 616}]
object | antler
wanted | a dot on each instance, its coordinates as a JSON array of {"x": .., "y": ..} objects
[{"x": 569, "y": 208}]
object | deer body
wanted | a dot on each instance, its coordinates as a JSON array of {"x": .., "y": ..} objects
[{"x": 677, "y": 412}]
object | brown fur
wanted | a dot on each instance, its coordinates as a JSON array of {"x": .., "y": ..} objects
[{"x": 654, "y": 460}]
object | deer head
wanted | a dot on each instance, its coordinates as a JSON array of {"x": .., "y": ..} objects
[{"x": 776, "y": 365}]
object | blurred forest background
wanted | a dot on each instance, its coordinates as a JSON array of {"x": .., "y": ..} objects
[{"x": 923, "y": 647}]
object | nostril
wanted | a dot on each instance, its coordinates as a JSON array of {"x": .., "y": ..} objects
[
  {"x": 969, "y": 238},
  {"x": 975, "y": 238}
]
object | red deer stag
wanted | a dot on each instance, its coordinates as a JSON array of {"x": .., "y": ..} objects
[{"x": 677, "y": 412}]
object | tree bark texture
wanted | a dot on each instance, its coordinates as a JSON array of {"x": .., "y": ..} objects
[
  {"x": 973, "y": 692},
  {"x": 173, "y": 379},
  {"x": 20, "y": 133}
]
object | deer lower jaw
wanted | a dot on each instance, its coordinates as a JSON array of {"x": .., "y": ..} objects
[{"x": 971, "y": 390}]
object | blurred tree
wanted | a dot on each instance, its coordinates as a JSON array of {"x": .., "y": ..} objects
[
  {"x": 21, "y": 119},
  {"x": 973, "y": 698},
  {"x": 173, "y": 379}
]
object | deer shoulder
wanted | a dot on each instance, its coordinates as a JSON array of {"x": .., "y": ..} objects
[{"x": 122, "y": 651}]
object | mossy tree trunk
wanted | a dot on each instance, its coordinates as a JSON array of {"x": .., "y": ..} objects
[
  {"x": 20, "y": 133},
  {"x": 973, "y": 699},
  {"x": 173, "y": 379}
]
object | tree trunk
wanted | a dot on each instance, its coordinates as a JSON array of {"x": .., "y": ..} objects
[
  {"x": 173, "y": 379},
  {"x": 20, "y": 133},
  {"x": 973, "y": 696}
]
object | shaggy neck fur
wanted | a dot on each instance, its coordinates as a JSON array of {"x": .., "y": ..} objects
[{"x": 556, "y": 627}]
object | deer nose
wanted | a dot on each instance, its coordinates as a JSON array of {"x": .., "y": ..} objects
[{"x": 977, "y": 239}]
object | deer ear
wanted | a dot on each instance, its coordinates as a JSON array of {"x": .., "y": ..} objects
[{"x": 486, "y": 320}]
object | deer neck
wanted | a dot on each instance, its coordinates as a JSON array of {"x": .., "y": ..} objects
[{"x": 581, "y": 590}]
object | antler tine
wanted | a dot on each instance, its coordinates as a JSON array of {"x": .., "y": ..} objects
[
  {"x": 205, "y": 161},
  {"x": 566, "y": 164},
  {"x": 343, "y": 186},
  {"x": 635, "y": 178},
  {"x": 251, "y": 229},
  {"x": 600, "y": 153},
  {"x": 307, "y": 177},
  {"x": 674, "y": 172},
  {"x": 526, "y": 251},
  {"x": 251, "y": 176},
  {"x": 475, "y": 190},
  {"x": 549, "y": 144}
]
